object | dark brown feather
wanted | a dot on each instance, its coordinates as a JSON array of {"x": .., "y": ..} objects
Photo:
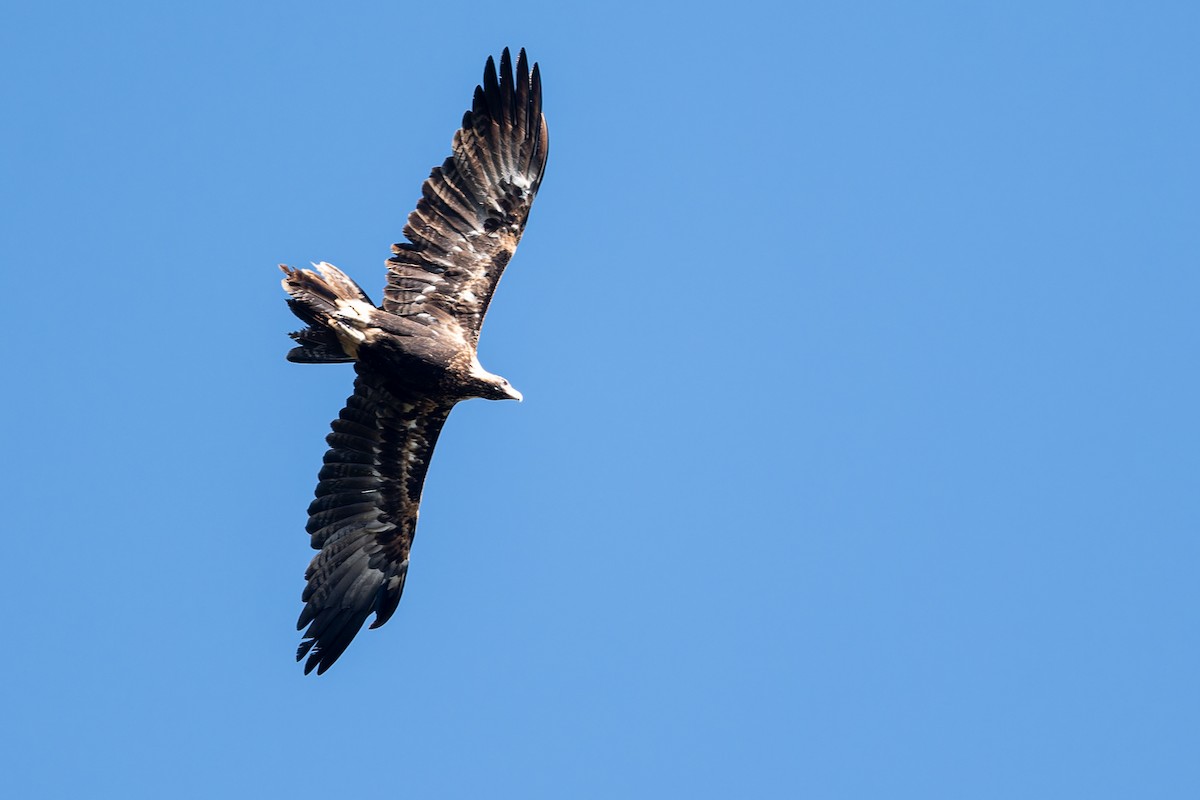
[
  {"x": 365, "y": 513},
  {"x": 474, "y": 207}
]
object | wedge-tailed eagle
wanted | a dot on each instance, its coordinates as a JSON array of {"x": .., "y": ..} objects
[{"x": 414, "y": 356}]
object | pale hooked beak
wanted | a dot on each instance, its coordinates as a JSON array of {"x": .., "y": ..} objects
[{"x": 514, "y": 394}]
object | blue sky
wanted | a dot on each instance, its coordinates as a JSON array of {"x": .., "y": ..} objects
[{"x": 859, "y": 453}]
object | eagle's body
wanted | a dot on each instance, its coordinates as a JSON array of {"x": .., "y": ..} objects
[{"x": 415, "y": 355}]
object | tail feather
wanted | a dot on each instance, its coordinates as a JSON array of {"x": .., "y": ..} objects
[
  {"x": 314, "y": 299},
  {"x": 317, "y": 345}
]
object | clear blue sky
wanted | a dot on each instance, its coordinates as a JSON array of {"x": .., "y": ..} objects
[{"x": 860, "y": 449}]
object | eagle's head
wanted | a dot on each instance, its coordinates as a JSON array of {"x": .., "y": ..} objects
[
  {"x": 482, "y": 383},
  {"x": 500, "y": 389}
]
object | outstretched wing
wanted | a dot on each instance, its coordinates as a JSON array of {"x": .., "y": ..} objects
[
  {"x": 365, "y": 513},
  {"x": 474, "y": 206}
]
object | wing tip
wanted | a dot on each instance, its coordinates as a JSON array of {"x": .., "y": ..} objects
[{"x": 506, "y": 82}]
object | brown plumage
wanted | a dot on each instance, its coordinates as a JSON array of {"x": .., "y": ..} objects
[{"x": 414, "y": 355}]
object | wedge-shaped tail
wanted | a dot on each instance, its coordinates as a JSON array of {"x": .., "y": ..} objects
[{"x": 315, "y": 297}]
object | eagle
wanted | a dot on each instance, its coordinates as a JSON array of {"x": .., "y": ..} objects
[{"x": 414, "y": 356}]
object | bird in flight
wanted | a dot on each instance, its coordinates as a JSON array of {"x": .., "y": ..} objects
[{"x": 414, "y": 356}]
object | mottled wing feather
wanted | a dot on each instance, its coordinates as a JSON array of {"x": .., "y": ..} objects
[
  {"x": 365, "y": 513},
  {"x": 473, "y": 208}
]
